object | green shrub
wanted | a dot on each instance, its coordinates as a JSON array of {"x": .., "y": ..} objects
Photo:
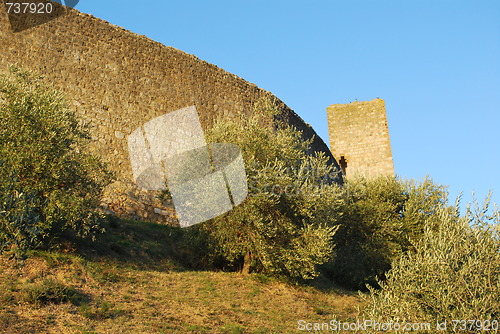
[
  {"x": 20, "y": 216},
  {"x": 378, "y": 220},
  {"x": 49, "y": 182},
  {"x": 99, "y": 310},
  {"x": 368, "y": 231},
  {"x": 51, "y": 292},
  {"x": 453, "y": 272}
]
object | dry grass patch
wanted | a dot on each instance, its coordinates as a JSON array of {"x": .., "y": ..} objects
[{"x": 107, "y": 297}]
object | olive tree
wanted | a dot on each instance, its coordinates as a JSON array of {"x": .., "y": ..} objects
[
  {"x": 453, "y": 272},
  {"x": 49, "y": 181},
  {"x": 282, "y": 227}
]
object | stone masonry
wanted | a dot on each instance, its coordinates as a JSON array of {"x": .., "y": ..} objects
[
  {"x": 359, "y": 138},
  {"x": 117, "y": 80}
]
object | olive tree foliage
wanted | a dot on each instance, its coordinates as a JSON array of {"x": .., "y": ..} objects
[
  {"x": 452, "y": 272},
  {"x": 49, "y": 183},
  {"x": 286, "y": 224},
  {"x": 379, "y": 220},
  {"x": 19, "y": 216}
]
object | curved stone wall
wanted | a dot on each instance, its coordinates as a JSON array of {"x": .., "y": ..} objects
[{"x": 117, "y": 80}]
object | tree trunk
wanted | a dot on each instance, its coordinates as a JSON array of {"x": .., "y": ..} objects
[{"x": 247, "y": 262}]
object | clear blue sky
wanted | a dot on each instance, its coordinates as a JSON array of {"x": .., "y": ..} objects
[{"x": 436, "y": 63}]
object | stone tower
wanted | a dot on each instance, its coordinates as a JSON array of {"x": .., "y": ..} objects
[{"x": 359, "y": 138}]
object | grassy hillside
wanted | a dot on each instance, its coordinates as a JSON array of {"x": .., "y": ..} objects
[{"x": 133, "y": 279}]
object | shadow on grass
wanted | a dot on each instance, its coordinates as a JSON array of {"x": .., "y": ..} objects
[
  {"x": 146, "y": 245},
  {"x": 152, "y": 246},
  {"x": 326, "y": 285}
]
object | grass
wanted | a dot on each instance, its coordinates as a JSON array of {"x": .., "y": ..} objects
[
  {"x": 138, "y": 278},
  {"x": 50, "y": 291}
]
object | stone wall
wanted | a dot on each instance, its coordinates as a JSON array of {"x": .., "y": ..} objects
[
  {"x": 117, "y": 80},
  {"x": 359, "y": 138}
]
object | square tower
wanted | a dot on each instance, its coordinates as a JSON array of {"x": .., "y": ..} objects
[{"x": 359, "y": 138}]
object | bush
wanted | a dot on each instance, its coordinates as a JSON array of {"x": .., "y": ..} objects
[
  {"x": 453, "y": 272},
  {"x": 51, "y": 292},
  {"x": 49, "y": 182},
  {"x": 20, "y": 216},
  {"x": 379, "y": 219},
  {"x": 283, "y": 227}
]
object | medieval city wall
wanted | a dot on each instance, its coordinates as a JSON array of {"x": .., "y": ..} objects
[{"x": 117, "y": 80}]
